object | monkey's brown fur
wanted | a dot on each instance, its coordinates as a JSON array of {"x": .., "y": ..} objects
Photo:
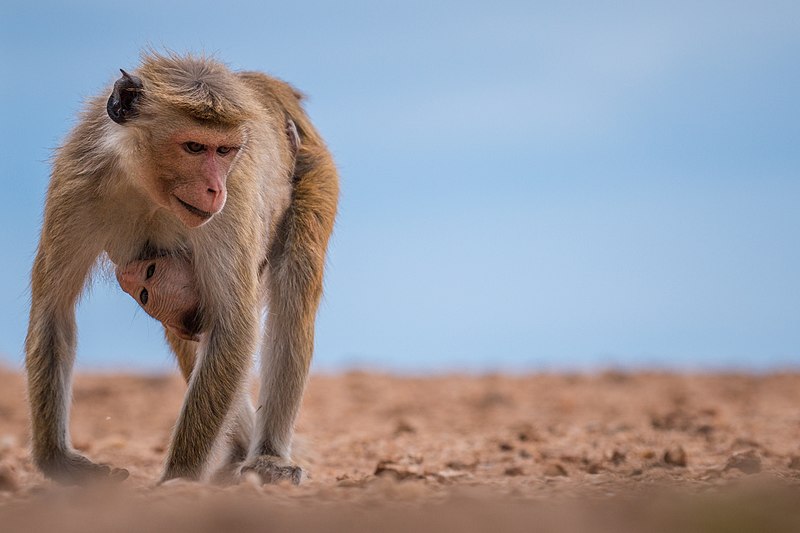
[{"x": 120, "y": 188}]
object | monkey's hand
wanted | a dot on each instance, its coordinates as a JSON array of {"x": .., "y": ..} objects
[
  {"x": 272, "y": 469},
  {"x": 74, "y": 469}
]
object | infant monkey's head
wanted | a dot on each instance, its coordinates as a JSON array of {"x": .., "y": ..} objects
[{"x": 165, "y": 288}]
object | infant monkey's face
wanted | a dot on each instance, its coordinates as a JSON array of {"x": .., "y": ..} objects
[{"x": 165, "y": 288}]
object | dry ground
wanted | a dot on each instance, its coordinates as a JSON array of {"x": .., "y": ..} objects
[{"x": 450, "y": 453}]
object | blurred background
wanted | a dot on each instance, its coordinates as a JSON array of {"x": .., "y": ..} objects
[{"x": 526, "y": 185}]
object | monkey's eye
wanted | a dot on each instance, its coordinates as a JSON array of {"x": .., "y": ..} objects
[
  {"x": 194, "y": 147},
  {"x": 224, "y": 150},
  {"x": 150, "y": 271},
  {"x": 143, "y": 296}
]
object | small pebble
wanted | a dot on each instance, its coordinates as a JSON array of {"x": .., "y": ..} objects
[
  {"x": 398, "y": 471},
  {"x": 675, "y": 456},
  {"x": 514, "y": 471},
  {"x": 617, "y": 457},
  {"x": 404, "y": 426},
  {"x": 555, "y": 470},
  {"x": 748, "y": 462},
  {"x": 8, "y": 478}
]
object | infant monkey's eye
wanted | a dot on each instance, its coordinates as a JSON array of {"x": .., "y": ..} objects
[
  {"x": 143, "y": 296},
  {"x": 150, "y": 271}
]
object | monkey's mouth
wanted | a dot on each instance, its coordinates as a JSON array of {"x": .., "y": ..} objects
[{"x": 205, "y": 215}]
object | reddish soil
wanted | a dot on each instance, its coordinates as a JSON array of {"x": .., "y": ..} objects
[{"x": 461, "y": 453}]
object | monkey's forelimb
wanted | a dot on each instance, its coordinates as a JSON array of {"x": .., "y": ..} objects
[
  {"x": 224, "y": 356},
  {"x": 214, "y": 388},
  {"x": 58, "y": 278},
  {"x": 242, "y": 430}
]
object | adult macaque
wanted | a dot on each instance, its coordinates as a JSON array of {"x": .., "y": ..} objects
[
  {"x": 164, "y": 285},
  {"x": 189, "y": 157}
]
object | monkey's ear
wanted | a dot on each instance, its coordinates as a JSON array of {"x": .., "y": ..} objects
[
  {"x": 121, "y": 104},
  {"x": 294, "y": 137}
]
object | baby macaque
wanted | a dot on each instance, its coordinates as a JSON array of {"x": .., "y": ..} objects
[{"x": 166, "y": 289}]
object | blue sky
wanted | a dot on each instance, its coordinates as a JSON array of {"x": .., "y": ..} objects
[{"x": 526, "y": 185}]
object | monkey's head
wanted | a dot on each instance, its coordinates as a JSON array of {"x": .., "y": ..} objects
[
  {"x": 189, "y": 118},
  {"x": 165, "y": 288}
]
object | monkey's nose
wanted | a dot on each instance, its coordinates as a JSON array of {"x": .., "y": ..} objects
[
  {"x": 214, "y": 200},
  {"x": 125, "y": 278}
]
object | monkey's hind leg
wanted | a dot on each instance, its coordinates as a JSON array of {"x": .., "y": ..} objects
[
  {"x": 294, "y": 284},
  {"x": 186, "y": 353}
]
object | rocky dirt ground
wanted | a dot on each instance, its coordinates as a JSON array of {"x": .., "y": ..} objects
[{"x": 450, "y": 453}]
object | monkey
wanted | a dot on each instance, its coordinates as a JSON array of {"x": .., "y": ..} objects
[
  {"x": 188, "y": 156},
  {"x": 163, "y": 284},
  {"x": 165, "y": 288}
]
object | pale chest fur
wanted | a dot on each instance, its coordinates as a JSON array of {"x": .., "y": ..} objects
[{"x": 133, "y": 225}]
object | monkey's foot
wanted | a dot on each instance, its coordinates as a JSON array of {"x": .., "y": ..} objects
[
  {"x": 272, "y": 469},
  {"x": 74, "y": 469},
  {"x": 228, "y": 473}
]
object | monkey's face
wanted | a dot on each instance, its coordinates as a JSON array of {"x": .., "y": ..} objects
[
  {"x": 190, "y": 171},
  {"x": 189, "y": 159},
  {"x": 165, "y": 288}
]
